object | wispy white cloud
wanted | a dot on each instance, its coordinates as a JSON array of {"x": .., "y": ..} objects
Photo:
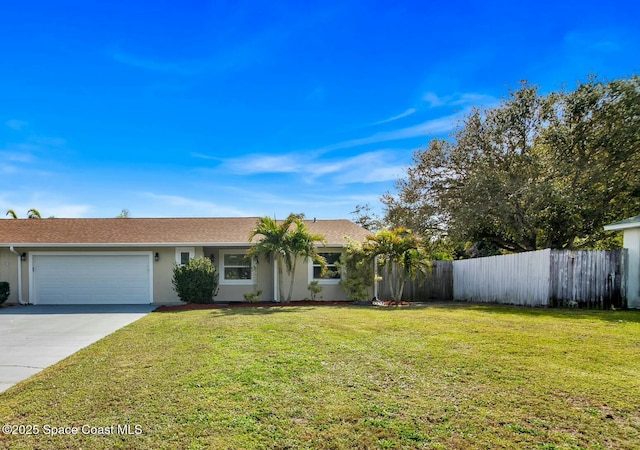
[
  {"x": 14, "y": 156},
  {"x": 8, "y": 168},
  {"x": 46, "y": 203},
  {"x": 179, "y": 67},
  {"x": 429, "y": 127},
  {"x": 17, "y": 153},
  {"x": 220, "y": 62},
  {"x": 30, "y": 155},
  {"x": 474, "y": 99},
  {"x": 16, "y": 124},
  {"x": 203, "y": 156},
  {"x": 237, "y": 53},
  {"x": 312, "y": 201},
  {"x": 374, "y": 174},
  {"x": 257, "y": 163},
  {"x": 598, "y": 40},
  {"x": 47, "y": 141},
  {"x": 176, "y": 205},
  {"x": 262, "y": 197},
  {"x": 433, "y": 100},
  {"x": 402, "y": 115},
  {"x": 459, "y": 99},
  {"x": 369, "y": 167}
]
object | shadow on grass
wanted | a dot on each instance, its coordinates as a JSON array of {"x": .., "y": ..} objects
[
  {"x": 238, "y": 308},
  {"x": 260, "y": 311},
  {"x": 246, "y": 309}
]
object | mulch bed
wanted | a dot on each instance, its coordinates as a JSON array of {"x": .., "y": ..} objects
[
  {"x": 193, "y": 306},
  {"x": 392, "y": 304}
]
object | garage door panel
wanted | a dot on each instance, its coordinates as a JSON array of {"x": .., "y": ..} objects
[{"x": 92, "y": 279}]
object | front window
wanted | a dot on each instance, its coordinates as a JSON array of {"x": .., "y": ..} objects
[
  {"x": 236, "y": 268},
  {"x": 184, "y": 258},
  {"x": 333, "y": 274},
  {"x": 184, "y": 254}
]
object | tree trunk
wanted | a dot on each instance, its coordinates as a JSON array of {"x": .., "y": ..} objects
[
  {"x": 293, "y": 273},
  {"x": 279, "y": 263},
  {"x": 391, "y": 276},
  {"x": 401, "y": 283}
]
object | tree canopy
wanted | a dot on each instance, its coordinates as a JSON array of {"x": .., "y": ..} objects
[{"x": 534, "y": 172}]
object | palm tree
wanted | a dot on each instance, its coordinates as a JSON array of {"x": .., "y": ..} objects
[
  {"x": 272, "y": 244},
  {"x": 302, "y": 244},
  {"x": 401, "y": 252},
  {"x": 33, "y": 214},
  {"x": 285, "y": 245}
]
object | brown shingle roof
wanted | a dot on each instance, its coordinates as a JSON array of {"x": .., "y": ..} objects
[{"x": 155, "y": 231}]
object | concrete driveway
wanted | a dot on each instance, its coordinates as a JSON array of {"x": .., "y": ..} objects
[{"x": 34, "y": 337}]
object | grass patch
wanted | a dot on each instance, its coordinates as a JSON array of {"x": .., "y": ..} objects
[{"x": 456, "y": 376}]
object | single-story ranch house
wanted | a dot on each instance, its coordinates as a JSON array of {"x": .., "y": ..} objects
[{"x": 127, "y": 261}]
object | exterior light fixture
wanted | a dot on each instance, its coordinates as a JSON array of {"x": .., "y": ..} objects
[
  {"x": 212, "y": 258},
  {"x": 157, "y": 257},
  {"x": 23, "y": 257}
]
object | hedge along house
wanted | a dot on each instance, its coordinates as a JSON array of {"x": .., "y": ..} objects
[
  {"x": 129, "y": 261},
  {"x": 631, "y": 241}
]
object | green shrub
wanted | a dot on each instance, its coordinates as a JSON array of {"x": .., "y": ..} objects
[
  {"x": 358, "y": 270},
  {"x": 4, "y": 291},
  {"x": 197, "y": 281},
  {"x": 314, "y": 288},
  {"x": 253, "y": 296}
]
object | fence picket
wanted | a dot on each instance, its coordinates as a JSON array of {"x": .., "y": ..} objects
[
  {"x": 590, "y": 279},
  {"x": 435, "y": 285}
]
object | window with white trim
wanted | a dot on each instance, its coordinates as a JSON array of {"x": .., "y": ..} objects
[
  {"x": 236, "y": 268},
  {"x": 184, "y": 254},
  {"x": 332, "y": 275}
]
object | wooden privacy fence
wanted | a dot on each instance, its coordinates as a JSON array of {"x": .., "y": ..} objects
[
  {"x": 436, "y": 284},
  {"x": 588, "y": 279},
  {"x": 592, "y": 279},
  {"x": 518, "y": 279}
]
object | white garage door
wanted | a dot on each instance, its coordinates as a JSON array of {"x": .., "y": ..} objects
[{"x": 95, "y": 278}]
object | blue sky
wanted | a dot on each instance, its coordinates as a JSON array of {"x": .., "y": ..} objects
[{"x": 250, "y": 108}]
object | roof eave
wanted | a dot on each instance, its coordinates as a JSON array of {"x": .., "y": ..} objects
[
  {"x": 143, "y": 244},
  {"x": 621, "y": 226}
]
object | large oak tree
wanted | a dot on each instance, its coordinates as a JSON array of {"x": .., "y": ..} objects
[{"x": 535, "y": 172}]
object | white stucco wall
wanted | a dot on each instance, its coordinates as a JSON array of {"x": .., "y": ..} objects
[
  {"x": 9, "y": 272},
  {"x": 632, "y": 244},
  {"x": 331, "y": 289},
  {"x": 163, "y": 291}
]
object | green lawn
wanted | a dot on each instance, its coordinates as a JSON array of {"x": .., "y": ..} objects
[{"x": 445, "y": 376}]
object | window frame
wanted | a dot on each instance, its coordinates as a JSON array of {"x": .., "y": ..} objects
[
  {"x": 238, "y": 282},
  {"x": 181, "y": 250},
  {"x": 312, "y": 265}
]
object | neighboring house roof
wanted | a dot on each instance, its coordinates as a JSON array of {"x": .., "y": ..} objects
[
  {"x": 173, "y": 231},
  {"x": 632, "y": 222}
]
